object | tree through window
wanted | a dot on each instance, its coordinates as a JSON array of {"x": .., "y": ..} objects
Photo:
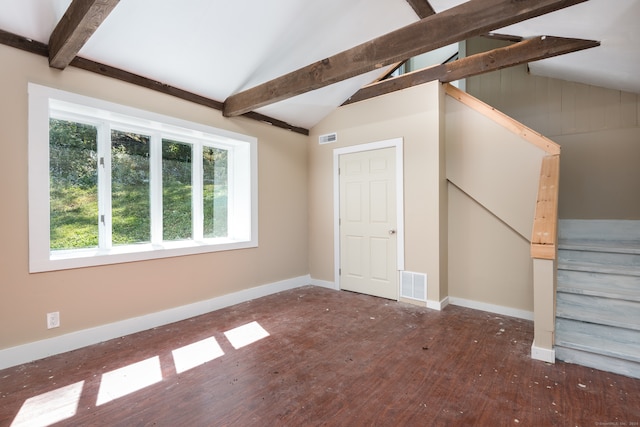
[{"x": 119, "y": 184}]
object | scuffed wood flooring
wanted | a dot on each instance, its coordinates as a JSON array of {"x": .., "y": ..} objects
[{"x": 331, "y": 358}]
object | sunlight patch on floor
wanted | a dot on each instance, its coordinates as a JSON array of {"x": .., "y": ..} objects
[
  {"x": 129, "y": 379},
  {"x": 61, "y": 404},
  {"x": 246, "y": 334},
  {"x": 50, "y": 407},
  {"x": 196, "y": 354}
]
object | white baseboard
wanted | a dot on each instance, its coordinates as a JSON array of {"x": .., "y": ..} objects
[
  {"x": 544, "y": 354},
  {"x": 491, "y": 308},
  {"x": 324, "y": 284},
  {"x": 438, "y": 305},
  {"x": 39, "y": 349}
]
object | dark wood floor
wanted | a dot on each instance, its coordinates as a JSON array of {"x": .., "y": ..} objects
[{"x": 331, "y": 358}]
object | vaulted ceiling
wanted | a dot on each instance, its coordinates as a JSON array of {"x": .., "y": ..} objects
[{"x": 292, "y": 62}]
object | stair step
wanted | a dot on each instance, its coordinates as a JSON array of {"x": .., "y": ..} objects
[
  {"x": 616, "y": 230},
  {"x": 611, "y": 246},
  {"x": 598, "y": 268},
  {"x": 600, "y": 339},
  {"x": 598, "y": 295},
  {"x": 598, "y": 258},
  {"x": 603, "y": 285},
  {"x": 598, "y": 361},
  {"x": 604, "y": 311}
]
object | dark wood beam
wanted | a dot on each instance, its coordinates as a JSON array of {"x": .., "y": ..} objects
[
  {"x": 519, "y": 53},
  {"x": 23, "y": 43},
  {"x": 138, "y": 80},
  {"x": 525, "y": 51},
  {"x": 422, "y": 8},
  {"x": 125, "y": 76},
  {"x": 42, "y": 49},
  {"x": 79, "y": 22},
  {"x": 469, "y": 19},
  {"x": 275, "y": 122}
]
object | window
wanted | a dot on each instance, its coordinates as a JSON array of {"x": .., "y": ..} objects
[{"x": 109, "y": 184}]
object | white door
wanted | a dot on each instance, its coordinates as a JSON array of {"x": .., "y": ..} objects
[{"x": 368, "y": 261}]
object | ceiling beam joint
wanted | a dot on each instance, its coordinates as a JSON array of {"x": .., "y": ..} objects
[
  {"x": 422, "y": 8},
  {"x": 77, "y": 25}
]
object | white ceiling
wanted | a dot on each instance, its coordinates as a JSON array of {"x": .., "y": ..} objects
[{"x": 216, "y": 48}]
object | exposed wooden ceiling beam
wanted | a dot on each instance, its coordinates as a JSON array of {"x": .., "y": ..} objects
[
  {"x": 522, "y": 52},
  {"x": 422, "y": 8},
  {"x": 42, "y": 49},
  {"x": 519, "y": 53},
  {"x": 23, "y": 43},
  {"x": 469, "y": 19},
  {"x": 125, "y": 76},
  {"x": 79, "y": 22}
]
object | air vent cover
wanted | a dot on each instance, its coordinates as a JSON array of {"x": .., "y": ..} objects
[
  {"x": 328, "y": 138},
  {"x": 413, "y": 285}
]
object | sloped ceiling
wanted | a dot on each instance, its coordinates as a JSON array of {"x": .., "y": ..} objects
[{"x": 217, "y": 48}]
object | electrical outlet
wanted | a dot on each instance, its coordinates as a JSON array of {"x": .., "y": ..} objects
[{"x": 53, "y": 320}]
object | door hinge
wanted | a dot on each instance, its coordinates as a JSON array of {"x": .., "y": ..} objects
[
  {"x": 102, "y": 219},
  {"x": 101, "y": 162},
  {"x": 339, "y": 272}
]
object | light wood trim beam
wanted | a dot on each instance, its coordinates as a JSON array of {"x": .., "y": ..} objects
[
  {"x": 505, "y": 121},
  {"x": 469, "y": 19},
  {"x": 519, "y": 53},
  {"x": 79, "y": 22},
  {"x": 422, "y": 8},
  {"x": 545, "y": 223}
]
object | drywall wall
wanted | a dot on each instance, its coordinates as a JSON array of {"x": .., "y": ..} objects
[
  {"x": 90, "y": 297},
  {"x": 415, "y": 115},
  {"x": 598, "y": 129},
  {"x": 493, "y": 174},
  {"x": 497, "y": 168},
  {"x": 489, "y": 262},
  {"x": 600, "y": 174}
]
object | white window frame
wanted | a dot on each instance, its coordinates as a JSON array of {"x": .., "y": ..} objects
[{"x": 242, "y": 181}]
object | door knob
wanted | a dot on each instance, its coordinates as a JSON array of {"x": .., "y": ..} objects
[{"x": 392, "y": 231}]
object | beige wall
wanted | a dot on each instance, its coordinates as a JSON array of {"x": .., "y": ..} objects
[
  {"x": 600, "y": 174},
  {"x": 96, "y": 296},
  {"x": 493, "y": 175},
  {"x": 496, "y": 167},
  {"x": 489, "y": 262},
  {"x": 598, "y": 129},
  {"x": 416, "y": 116}
]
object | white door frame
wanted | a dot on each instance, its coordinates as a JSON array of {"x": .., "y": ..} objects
[{"x": 396, "y": 143}]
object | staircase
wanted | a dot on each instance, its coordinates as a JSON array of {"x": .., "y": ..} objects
[{"x": 598, "y": 295}]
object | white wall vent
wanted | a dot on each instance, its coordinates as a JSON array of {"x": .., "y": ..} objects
[
  {"x": 413, "y": 285},
  {"x": 328, "y": 138}
]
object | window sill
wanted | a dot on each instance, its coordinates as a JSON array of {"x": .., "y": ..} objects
[{"x": 70, "y": 259}]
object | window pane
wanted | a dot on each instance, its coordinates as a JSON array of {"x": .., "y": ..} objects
[
  {"x": 73, "y": 181},
  {"x": 130, "y": 197},
  {"x": 214, "y": 166},
  {"x": 176, "y": 190}
]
